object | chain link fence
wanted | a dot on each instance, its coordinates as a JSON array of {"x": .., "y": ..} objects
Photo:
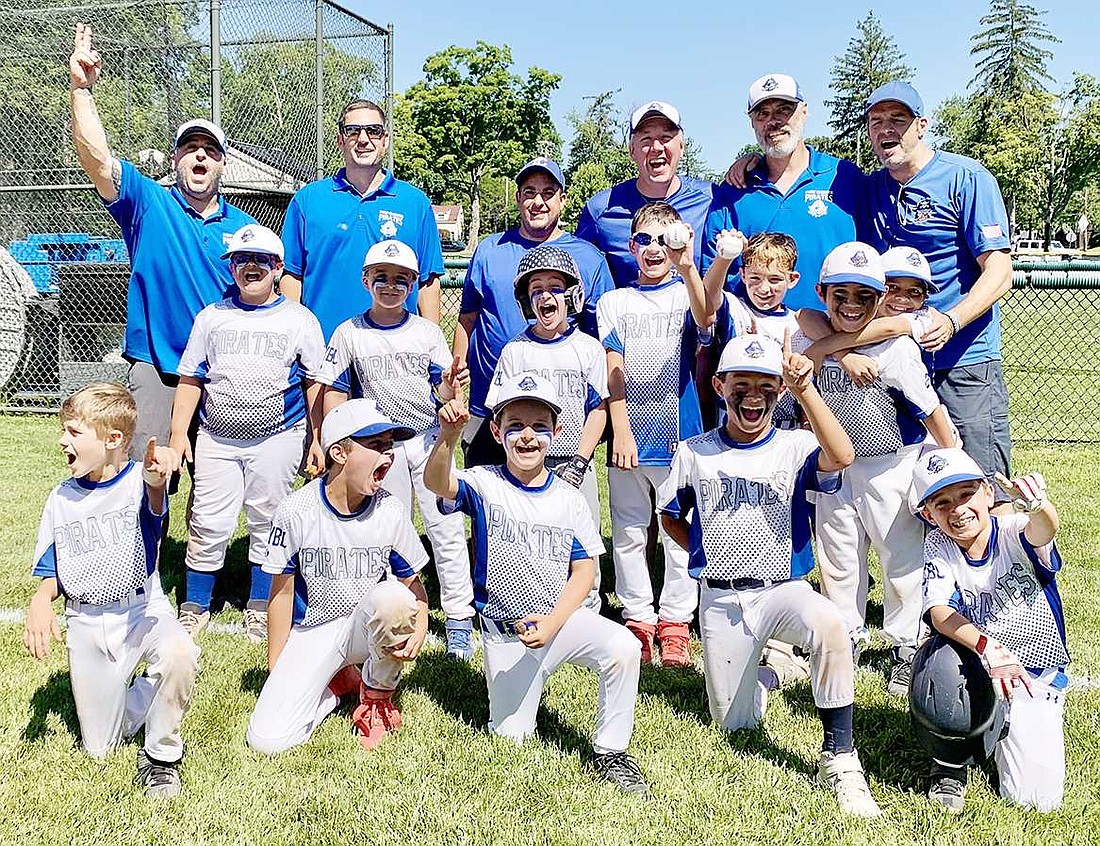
[{"x": 274, "y": 74}]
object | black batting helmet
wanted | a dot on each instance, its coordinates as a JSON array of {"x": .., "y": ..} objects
[
  {"x": 549, "y": 257},
  {"x": 955, "y": 713}
]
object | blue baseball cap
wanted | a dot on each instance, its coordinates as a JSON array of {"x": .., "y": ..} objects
[
  {"x": 896, "y": 92},
  {"x": 542, "y": 163},
  {"x": 854, "y": 262},
  {"x": 359, "y": 418}
]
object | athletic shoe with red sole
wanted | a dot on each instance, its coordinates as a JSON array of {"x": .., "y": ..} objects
[
  {"x": 375, "y": 718},
  {"x": 346, "y": 681},
  {"x": 675, "y": 640},
  {"x": 647, "y": 634}
]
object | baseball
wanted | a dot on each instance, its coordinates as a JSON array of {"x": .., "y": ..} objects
[
  {"x": 676, "y": 236},
  {"x": 729, "y": 247}
]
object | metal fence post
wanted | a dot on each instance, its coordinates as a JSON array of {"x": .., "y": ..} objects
[
  {"x": 389, "y": 94},
  {"x": 216, "y": 61},
  {"x": 319, "y": 60}
]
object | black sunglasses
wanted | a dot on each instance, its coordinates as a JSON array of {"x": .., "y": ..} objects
[{"x": 352, "y": 130}]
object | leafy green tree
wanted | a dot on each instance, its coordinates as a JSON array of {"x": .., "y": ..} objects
[
  {"x": 1074, "y": 150},
  {"x": 1011, "y": 56},
  {"x": 872, "y": 59},
  {"x": 476, "y": 118},
  {"x": 598, "y": 156}
]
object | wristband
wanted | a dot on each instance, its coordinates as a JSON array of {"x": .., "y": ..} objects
[
  {"x": 955, "y": 325},
  {"x": 982, "y": 643}
]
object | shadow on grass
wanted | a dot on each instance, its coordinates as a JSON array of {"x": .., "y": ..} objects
[{"x": 54, "y": 697}]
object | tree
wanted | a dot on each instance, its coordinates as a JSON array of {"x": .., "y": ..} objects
[
  {"x": 693, "y": 164},
  {"x": 598, "y": 156},
  {"x": 1012, "y": 59},
  {"x": 476, "y": 118},
  {"x": 1074, "y": 144},
  {"x": 872, "y": 59}
]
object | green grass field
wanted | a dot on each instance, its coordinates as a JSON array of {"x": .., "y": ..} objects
[{"x": 443, "y": 779}]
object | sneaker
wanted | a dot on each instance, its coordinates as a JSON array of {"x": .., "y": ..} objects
[
  {"x": 160, "y": 780},
  {"x": 194, "y": 618},
  {"x": 460, "y": 639},
  {"x": 346, "y": 681},
  {"x": 647, "y": 634},
  {"x": 948, "y": 788},
  {"x": 787, "y": 665},
  {"x": 619, "y": 769},
  {"x": 842, "y": 773},
  {"x": 900, "y": 673},
  {"x": 675, "y": 640},
  {"x": 375, "y": 718},
  {"x": 255, "y": 622},
  {"x": 861, "y": 640}
]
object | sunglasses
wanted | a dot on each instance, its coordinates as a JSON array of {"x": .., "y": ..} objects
[
  {"x": 351, "y": 130},
  {"x": 644, "y": 239},
  {"x": 262, "y": 259}
]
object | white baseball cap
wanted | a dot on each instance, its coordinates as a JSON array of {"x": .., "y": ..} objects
[
  {"x": 392, "y": 252},
  {"x": 939, "y": 468},
  {"x": 655, "y": 107},
  {"x": 359, "y": 418},
  {"x": 774, "y": 86},
  {"x": 526, "y": 386},
  {"x": 253, "y": 238},
  {"x": 203, "y": 126},
  {"x": 909, "y": 263},
  {"x": 751, "y": 353},
  {"x": 854, "y": 262}
]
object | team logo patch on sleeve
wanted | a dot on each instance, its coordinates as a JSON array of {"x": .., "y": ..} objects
[{"x": 992, "y": 230}]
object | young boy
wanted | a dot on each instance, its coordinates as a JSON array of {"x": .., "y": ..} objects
[
  {"x": 989, "y": 585},
  {"x": 245, "y": 366},
  {"x": 745, "y": 489},
  {"x": 550, "y": 293},
  {"x": 398, "y": 360},
  {"x": 537, "y": 549},
  {"x": 97, "y": 546},
  {"x": 649, "y": 332},
  {"x": 888, "y": 421},
  {"x": 345, "y": 559}
]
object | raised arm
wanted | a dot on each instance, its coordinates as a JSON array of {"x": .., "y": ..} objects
[
  {"x": 89, "y": 138},
  {"x": 439, "y": 474},
  {"x": 836, "y": 447}
]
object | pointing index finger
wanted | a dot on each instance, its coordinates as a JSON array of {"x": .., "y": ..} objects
[
  {"x": 787, "y": 342},
  {"x": 150, "y": 452}
]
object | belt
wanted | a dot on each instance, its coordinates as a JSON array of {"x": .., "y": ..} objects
[
  {"x": 507, "y": 627},
  {"x": 742, "y": 584},
  {"x": 132, "y": 598}
]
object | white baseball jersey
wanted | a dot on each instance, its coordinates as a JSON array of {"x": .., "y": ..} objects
[
  {"x": 251, "y": 360},
  {"x": 396, "y": 366},
  {"x": 651, "y": 327},
  {"x": 574, "y": 363},
  {"x": 1010, "y": 595},
  {"x": 336, "y": 558},
  {"x": 99, "y": 539},
  {"x": 525, "y": 539},
  {"x": 737, "y": 316},
  {"x": 750, "y": 516}
]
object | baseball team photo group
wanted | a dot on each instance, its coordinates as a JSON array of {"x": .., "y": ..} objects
[{"x": 698, "y": 515}]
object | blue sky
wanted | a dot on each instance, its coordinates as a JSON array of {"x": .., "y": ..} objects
[{"x": 702, "y": 56}]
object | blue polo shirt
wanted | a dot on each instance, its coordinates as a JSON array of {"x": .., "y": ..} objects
[
  {"x": 952, "y": 212},
  {"x": 606, "y": 218},
  {"x": 328, "y": 229},
  {"x": 489, "y": 291},
  {"x": 176, "y": 265},
  {"x": 825, "y": 207}
]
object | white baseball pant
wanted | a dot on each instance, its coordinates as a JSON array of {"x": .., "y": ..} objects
[
  {"x": 736, "y": 624},
  {"x": 872, "y": 508},
  {"x": 229, "y": 474},
  {"x": 446, "y": 532},
  {"x": 105, "y": 644},
  {"x": 631, "y": 493},
  {"x": 1031, "y": 760},
  {"x": 590, "y": 489},
  {"x": 295, "y": 698},
  {"x": 516, "y": 675}
]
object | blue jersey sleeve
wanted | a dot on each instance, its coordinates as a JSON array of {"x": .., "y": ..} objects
[
  {"x": 293, "y": 236},
  {"x": 601, "y": 283},
  {"x": 132, "y": 196},
  {"x": 984, "y": 219},
  {"x": 429, "y": 250},
  {"x": 472, "y": 286},
  {"x": 586, "y": 227},
  {"x": 718, "y": 218}
]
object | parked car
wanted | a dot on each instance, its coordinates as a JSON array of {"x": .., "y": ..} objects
[{"x": 452, "y": 246}]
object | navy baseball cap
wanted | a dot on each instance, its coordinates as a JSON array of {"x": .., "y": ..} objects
[
  {"x": 359, "y": 418},
  {"x": 896, "y": 92},
  {"x": 542, "y": 163}
]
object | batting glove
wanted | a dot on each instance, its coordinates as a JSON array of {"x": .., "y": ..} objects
[
  {"x": 573, "y": 470},
  {"x": 1003, "y": 666},
  {"x": 1028, "y": 492}
]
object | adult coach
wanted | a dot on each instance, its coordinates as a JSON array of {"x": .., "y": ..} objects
[
  {"x": 331, "y": 223},
  {"x": 656, "y": 146},
  {"x": 817, "y": 199},
  {"x": 489, "y": 316},
  {"x": 176, "y": 238},
  {"x": 949, "y": 208}
]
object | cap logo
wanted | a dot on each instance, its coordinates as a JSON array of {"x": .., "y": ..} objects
[
  {"x": 527, "y": 384},
  {"x": 913, "y": 258},
  {"x": 936, "y": 464},
  {"x": 654, "y": 105},
  {"x": 392, "y": 250},
  {"x": 770, "y": 84},
  {"x": 858, "y": 259},
  {"x": 248, "y": 235},
  {"x": 754, "y": 350}
]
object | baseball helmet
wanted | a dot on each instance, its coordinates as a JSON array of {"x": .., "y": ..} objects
[
  {"x": 955, "y": 713},
  {"x": 549, "y": 257}
]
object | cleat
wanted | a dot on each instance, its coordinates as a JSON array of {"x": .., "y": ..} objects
[
  {"x": 842, "y": 773},
  {"x": 647, "y": 634},
  {"x": 948, "y": 788},
  {"x": 375, "y": 718},
  {"x": 194, "y": 618},
  {"x": 861, "y": 641},
  {"x": 675, "y": 640},
  {"x": 900, "y": 673},
  {"x": 255, "y": 622},
  {"x": 346, "y": 681},
  {"x": 619, "y": 769},
  {"x": 159, "y": 780},
  {"x": 460, "y": 639},
  {"x": 787, "y": 665}
]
